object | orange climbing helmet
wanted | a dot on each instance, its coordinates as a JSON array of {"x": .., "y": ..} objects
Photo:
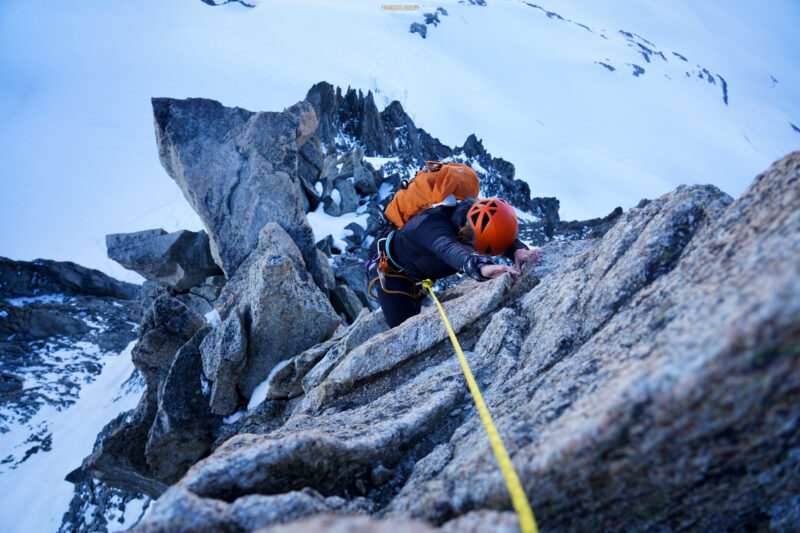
[{"x": 494, "y": 225}]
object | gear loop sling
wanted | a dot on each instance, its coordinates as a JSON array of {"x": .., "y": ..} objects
[
  {"x": 527, "y": 522},
  {"x": 388, "y": 268}
]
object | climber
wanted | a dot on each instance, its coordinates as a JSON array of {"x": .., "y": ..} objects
[{"x": 454, "y": 236}]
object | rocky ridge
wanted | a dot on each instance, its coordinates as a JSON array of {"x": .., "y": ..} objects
[
  {"x": 636, "y": 375},
  {"x": 334, "y": 154},
  {"x": 662, "y": 395}
]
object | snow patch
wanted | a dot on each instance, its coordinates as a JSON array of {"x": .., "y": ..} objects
[
  {"x": 525, "y": 216},
  {"x": 324, "y": 224},
  {"x": 234, "y": 417},
  {"x": 378, "y": 162},
  {"x": 260, "y": 392},
  {"x": 205, "y": 385},
  {"x": 37, "y": 485},
  {"x": 44, "y": 299},
  {"x": 212, "y": 317},
  {"x": 385, "y": 190},
  {"x": 477, "y": 167}
]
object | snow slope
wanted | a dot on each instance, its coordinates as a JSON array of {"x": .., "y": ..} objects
[
  {"x": 79, "y": 158},
  {"x": 35, "y": 493}
]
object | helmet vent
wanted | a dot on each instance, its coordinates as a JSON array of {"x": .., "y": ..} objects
[{"x": 484, "y": 221}]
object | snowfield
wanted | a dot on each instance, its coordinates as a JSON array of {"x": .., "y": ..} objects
[{"x": 530, "y": 79}]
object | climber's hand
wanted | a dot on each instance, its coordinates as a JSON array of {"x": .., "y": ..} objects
[
  {"x": 495, "y": 271},
  {"x": 522, "y": 256}
]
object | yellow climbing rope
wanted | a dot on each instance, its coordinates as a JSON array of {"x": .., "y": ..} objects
[{"x": 527, "y": 523}]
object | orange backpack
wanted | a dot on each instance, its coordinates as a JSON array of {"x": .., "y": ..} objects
[{"x": 431, "y": 186}]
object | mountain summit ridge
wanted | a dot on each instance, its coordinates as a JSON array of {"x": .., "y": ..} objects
[
  {"x": 644, "y": 376},
  {"x": 619, "y": 361}
]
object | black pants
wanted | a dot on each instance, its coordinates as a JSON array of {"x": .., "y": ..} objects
[{"x": 397, "y": 308}]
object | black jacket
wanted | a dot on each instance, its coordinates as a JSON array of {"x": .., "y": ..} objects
[{"x": 427, "y": 247}]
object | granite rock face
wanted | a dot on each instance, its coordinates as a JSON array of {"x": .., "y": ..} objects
[
  {"x": 183, "y": 428},
  {"x": 238, "y": 170},
  {"x": 271, "y": 310},
  {"x": 180, "y": 260},
  {"x": 130, "y": 456},
  {"x": 645, "y": 380}
]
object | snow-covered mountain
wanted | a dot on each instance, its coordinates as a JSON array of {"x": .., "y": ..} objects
[
  {"x": 65, "y": 371},
  {"x": 599, "y": 105}
]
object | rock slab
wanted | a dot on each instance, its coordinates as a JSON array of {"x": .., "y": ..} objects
[
  {"x": 238, "y": 170},
  {"x": 180, "y": 260}
]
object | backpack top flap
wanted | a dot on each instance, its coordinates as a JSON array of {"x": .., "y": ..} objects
[{"x": 431, "y": 186}]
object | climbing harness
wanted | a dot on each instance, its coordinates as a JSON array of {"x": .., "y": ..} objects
[
  {"x": 527, "y": 523},
  {"x": 388, "y": 268}
]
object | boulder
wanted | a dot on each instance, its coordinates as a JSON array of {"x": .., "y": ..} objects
[
  {"x": 179, "y": 260},
  {"x": 223, "y": 355},
  {"x": 287, "y": 312},
  {"x": 331, "y": 523},
  {"x": 184, "y": 425},
  {"x": 238, "y": 170},
  {"x": 350, "y": 165},
  {"x": 357, "y": 234},
  {"x": 150, "y": 291},
  {"x": 350, "y": 272},
  {"x": 180, "y": 511},
  {"x": 166, "y": 326},
  {"x": 119, "y": 458},
  {"x": 271, "y": 311},
  {"x": 432, "y": 18},
  {"x": 327, "y": 270},
  {"x": 325, "y": 245},
  {"x": 420, "y": 28},
  {"x": 309, "y": 170},
  {"x": 200, "y": 298},
  {"x": 289, "y": 380},
  {"x": 342, "y": 198},
  {"x": 345, "y": 301}
]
